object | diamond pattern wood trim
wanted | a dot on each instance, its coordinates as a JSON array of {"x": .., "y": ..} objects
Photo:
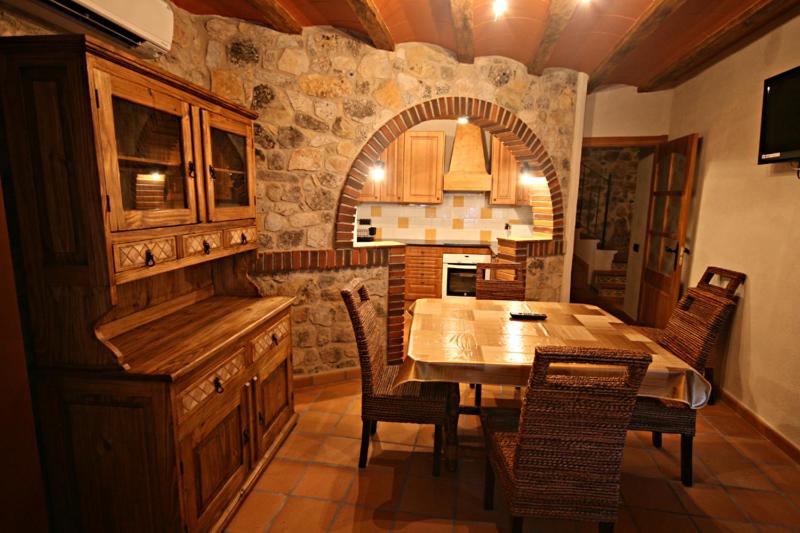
[
  {"x": 193, "y": 244},
  {"x": 265, "y": 342},
  {"x": 233, "y": 237},
  {"x": 197, "y": 394},
  {"x": 134, "y": 255}
]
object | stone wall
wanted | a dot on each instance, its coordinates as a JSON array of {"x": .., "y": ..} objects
[{"x": 320, "y": 96}]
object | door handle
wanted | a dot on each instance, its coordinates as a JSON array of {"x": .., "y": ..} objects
[{"x": 671, "y": 250}]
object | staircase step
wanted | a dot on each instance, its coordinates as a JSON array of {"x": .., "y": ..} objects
[{"x": 616, "y": 265}]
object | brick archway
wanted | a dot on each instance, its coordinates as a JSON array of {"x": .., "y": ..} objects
[{"x": 547, "y": 203}]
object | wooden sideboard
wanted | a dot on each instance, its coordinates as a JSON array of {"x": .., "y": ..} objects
[{"x": 162, "y": 380}]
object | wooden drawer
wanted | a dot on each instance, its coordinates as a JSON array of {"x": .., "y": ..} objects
[
  {"x": 423, "y": 251},
  {"x": 240, "y": 236},
  {"x": 131, "y": 255},
  {"x": 201, "y": 243},
  {"x": 272, "y": 338},
  {"x": 222, "y": 380}
]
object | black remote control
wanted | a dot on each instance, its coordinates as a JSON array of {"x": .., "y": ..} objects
[{"x": 523, "y": 315}]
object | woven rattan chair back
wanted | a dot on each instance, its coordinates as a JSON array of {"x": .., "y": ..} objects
[
  {"x": 730, "y": 278},
  {"x": 695, "y": 325},
  {"x": 371, "y": 348},
  {"x": 572, "y": 432},
  {"x": 507, "y": 281}
]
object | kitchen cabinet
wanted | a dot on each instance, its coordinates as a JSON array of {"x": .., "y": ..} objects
[
  {"x": 390, "y": 190},
  {"x": 424, "y": 269},
  {"x": 506, "y": 188},
  {"x": 423, "y": 167}
]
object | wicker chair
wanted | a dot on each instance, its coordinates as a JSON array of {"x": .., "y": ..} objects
[
  {"x": 561, "y": 457},
  {"x": 419, "y": 403},
  {"x": 497, "y": 288},
  {"x": 691, "y": 333}
]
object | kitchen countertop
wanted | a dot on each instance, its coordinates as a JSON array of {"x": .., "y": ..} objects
[{"x": 455, "y": 244}]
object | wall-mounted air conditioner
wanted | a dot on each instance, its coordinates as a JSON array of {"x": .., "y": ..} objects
[{"x": 145, "y": 25}]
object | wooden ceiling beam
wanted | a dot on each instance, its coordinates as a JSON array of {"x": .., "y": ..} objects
[
  {"x": 276, "y": 16},
  {"x": 753, "y": 22},
  {"x": 371, "y": 19},
  {"x": 461, "y": 13},
  {"x": 643, "y": 28},
  {"x": 559, "y": 13}
]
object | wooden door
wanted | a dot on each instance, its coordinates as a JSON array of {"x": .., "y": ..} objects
[
  {"x": 274, "y": 404},
  {"x": 146, "y": 154},
  {"x": 504, "y": 175},
  {"x": 216, "y": 457},
  {"x": 423, "y": 167},
  {"x": 670, "y": 202},
  {"x": 229, "y": 167}
]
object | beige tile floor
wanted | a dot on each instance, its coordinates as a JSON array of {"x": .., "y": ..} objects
[{"x": 742, "y": 482}]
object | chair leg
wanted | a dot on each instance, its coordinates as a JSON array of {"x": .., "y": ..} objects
[
  {"x": 488, "y": 487},
  {"x": 516, "y": 524},
  {"x": 657, "y": 439},
  {"x": 686, "y": 459},
  {"x": 606, "y": 527},
  {"x": 366, "y": 426},
  {"x": 374, "y": 428},
  {"x": 709, "y": 375},
  {"x": 437, "y": 450},
  {"x": 478, "y": 395}
]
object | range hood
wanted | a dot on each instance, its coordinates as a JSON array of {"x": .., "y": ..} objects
[{"x": 467, "y": 162}]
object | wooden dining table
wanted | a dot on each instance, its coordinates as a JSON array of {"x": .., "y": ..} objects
[{"x": 465, "y": 340}]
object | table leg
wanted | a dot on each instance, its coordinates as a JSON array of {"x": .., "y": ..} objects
[{"x": 451, "y": 430}]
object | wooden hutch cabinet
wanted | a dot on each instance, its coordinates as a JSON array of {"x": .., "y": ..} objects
[{"x": 162, "y": 380}]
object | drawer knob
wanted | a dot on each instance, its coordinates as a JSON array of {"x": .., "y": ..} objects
[
  {"x": 275, "y": 339},
  {"x": 218, "y": 385},
  {"x": 261, "y": 418},
  {"x": 244, "y": 238},
  {"x": 206, "y": 247},
  {"x": 246, "y": 436},
  {"x": 149, "y": 260}
]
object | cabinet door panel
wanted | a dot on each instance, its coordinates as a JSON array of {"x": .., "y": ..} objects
[
  {"x": 215, "y": 459},
  {"x": 229, "y": 167},
  {"x": 504, "y": 175},
  {"x": 423, "y": 166},
  {"x": 147, "y": 159},
  {"x": 274, "y": 402}
]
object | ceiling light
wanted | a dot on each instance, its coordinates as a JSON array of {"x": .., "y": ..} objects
[
  {"x": 378, "y": 171},
  {"x": 531, "y": 176},
  {"x": 499, "y": 7},
  {"x": 463, "y": 120}
]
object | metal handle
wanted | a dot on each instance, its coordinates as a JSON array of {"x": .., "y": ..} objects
[
  {"x": 212, "y": 172},
  {"x": 244, "y": 238},
  {"x": 218, "y": 385},
  {"x": 275, "y": 339},
  {"x": 206, "y": 247},
  {"x": 671, "y": 250},
  {"x": 149, "y": 260},
  {"x": 246, "y": 436},
  {"x": 261, "y": 419},
  {"x": 192, "y": 170}
]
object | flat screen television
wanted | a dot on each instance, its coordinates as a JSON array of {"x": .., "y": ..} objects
[{"x": 780, "y": 119}]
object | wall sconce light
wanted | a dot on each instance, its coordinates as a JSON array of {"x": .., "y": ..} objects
[
  {"x": 378, "y": 171},
  {"x": 531, "y": 176},
  {"x": 499, "y": 7},
  {"x": 463, "y": 120}
]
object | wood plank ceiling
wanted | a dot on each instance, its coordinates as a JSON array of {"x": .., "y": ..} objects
[{"x": 651, "y": 44}]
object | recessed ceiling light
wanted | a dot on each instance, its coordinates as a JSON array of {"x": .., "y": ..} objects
[
  {"x": 586, "y": 1},
  {"x": 378, "y": 171},
  {"x": 499, "y": 7},
  {"x": 463, "y": 120}
]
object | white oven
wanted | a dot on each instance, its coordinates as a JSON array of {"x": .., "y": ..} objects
[{"x": 458, "y": 273}]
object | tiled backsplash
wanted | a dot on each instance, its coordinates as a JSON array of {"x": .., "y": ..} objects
[{"x": 461, "y": 217}]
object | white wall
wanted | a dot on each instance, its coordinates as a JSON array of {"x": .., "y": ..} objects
[
  {"x": 638, "y": 233},
  {"x": 620, "y": 111},
  {"x": 747, "y": 218}
]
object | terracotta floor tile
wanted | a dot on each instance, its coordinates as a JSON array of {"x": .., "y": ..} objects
[
  {"x": 352, "y": 519},
  {"x": 420, "y": 463},
  {"x": 301, "y": 447},
  {"x": 766, "y": 528},
  {"x": 304, "y": 398},
  {"x": 348, "y": 426},
  {"x": 717, "y": 525},
  {"x": 389, "y": 454},
  {"x": 334, "y": 404},
  {"x": 424, "y": 435},
  {"x": 326, "y": 482},
  {"x": 536, "y": 525},
  {"x": 256, "y": 512},
  {"x": 708, "y": 500},
  {"x": 760, "y": 451},
  {"x": 317, "y": 422},
  {"x": 661, "y": 522},
  {"x": 625, "y": 523},
  {"x": 281, "y": 476},
  {"x": 377, "y": 487},
  {"x": 767, "y": 507},
  {"x": 639, "y": 462},
  {"x": 303, "y": 514},
  {"x": 338, "y": 451},
  {"x": 669, "y": 463},
  {"x": 469, "y": 504},
  {"x": 475, "y": 527},
  {"x": 785, "y": 477},
  {"x": 410, "y": 523},
  {"x": 748, "y": 477},
  {"x": 397, "y": 433},
  {"x": 649, "y": 493},
  {"x": 732, "y": 426},
  {"x": 429, "y": 496}
]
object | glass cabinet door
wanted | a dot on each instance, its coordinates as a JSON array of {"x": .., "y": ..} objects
[
  {"x": 147, "y": 155},
  {"x": 229, "y": 174}
]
